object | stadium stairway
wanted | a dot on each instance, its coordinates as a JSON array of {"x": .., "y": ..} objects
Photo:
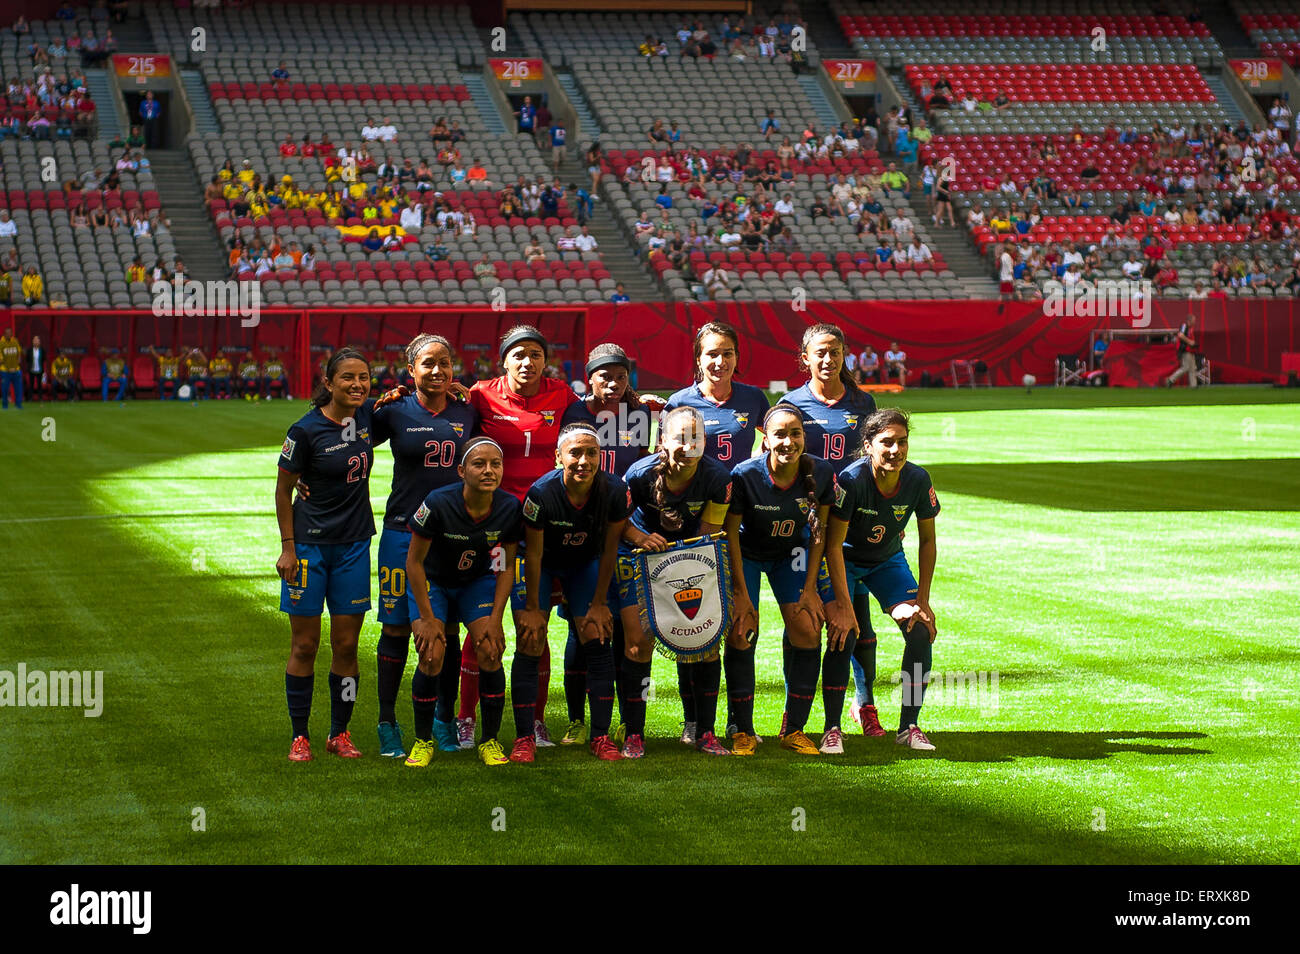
[
  {"x": 827, "y": 118},
  {"x": 825, "y": 33},
  {"x": 615, "y": 250},
  {"x": 590, "y": 128},
  {"x": 905, "y": 91},
  {"x": 133, "y": 34},
  {"x": 971, "y": 269},
  {"x": 106, "y": 103},
  {"x": 1220, "y": 20},
  {"x": 196, "y": 91},
  {"x": 192, "y": 231},
  {"x": 487, "y": 109},
  {"x": 1224, "y": 96}
]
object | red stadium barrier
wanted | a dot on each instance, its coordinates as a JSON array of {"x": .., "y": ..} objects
[{"x": 1245, "y": 339}]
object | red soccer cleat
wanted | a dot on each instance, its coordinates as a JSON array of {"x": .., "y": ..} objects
[
  {"x": 605, "y": 750},
  {"x": 871, "y": 722},
  {"x": 634, "y": 748},
  {"x": 300, "y": 751},
  {"x": 525, "y": 750},
  {"x": 341, "y": 745}
]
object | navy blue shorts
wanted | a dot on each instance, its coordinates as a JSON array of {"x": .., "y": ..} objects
[{"x": 337, "y": 574}]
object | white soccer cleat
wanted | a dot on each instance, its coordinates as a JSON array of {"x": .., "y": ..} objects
[
  {"x": 465, "y": 732},
  {"x": 914, "y": 738},
  {"x": 688, "y": 733},
  {"x": 832, "y": 742},
  {"x": 541, "y": 737}
]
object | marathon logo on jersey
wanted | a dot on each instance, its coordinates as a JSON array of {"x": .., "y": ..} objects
[
  {"x": 688, "y": 594},
  {"x": 934, "y": 501},
  {"x": 900, "y": 512},
  {"x": 458, "y": 428},
  {"x": 548, "y": 418},
  {"x": 727, "y": 499},
  {"x": 286, "y": 450},
  {"x": 421, "y": 515},
  {"x": 840, "y": 494},
  {"x": 531, "y": 509}
]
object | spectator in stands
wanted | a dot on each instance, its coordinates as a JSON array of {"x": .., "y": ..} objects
[
  {"x": 372, "y": 242},
  {"x": 586, "y": 242},
  {"x": 896, "y": 181},
  {"x": 8, "y": 227},
  {"x": 486, "y": 272},
  {"x": 901, "y": 226},
  {"x": 526, "y": 116},
  {"x": 868, "y": 366},
  {"x": 716, "y": 279},
  {"x": 534, "y": 252},
  {"x": 918, "y": 253},
  {"x": 280, "y": 76},
  {"x": 20, "y": 26},
  {"x": 896, "y": 363},
  {"x": 33, "y": 287},
  {"x": 150, "y": 116},
  {"x": 620, "y": 296}
]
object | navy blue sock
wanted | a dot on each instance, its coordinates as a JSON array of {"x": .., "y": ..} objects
[
  {"x": 449, "y": 678},
  {"x": 598, "y": 661},
  {"x": 523, "y": 692},
  {"x": 706, "y": 677},
  {"x": 917, "y": 656},
  {"x": 297, "y": 689},
  {"x": 424, "y": 700},
  {"x": 739, "y": 664},
  {"x": 801, "y": 687},
  {"x": 340, "y": 708},
  {"x": 835, "y": 681},
  {"x": 684, "y": 688},
  {"x": 575, "y": 676},
  {"x": 635, "y": 679},
  {"x": 619, "y": 659},
  {"x": 864, "y": 654},
  {"x": 390, "y": 663},
  {"x": 492, "y": 702}
]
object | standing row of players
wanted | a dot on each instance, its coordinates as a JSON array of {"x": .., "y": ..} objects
[{"x": 522, "y": 466}]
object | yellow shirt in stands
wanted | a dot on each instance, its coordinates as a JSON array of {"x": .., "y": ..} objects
[
  {"x": 246, "y": 176},
  {"x": 11, "y": 354},
  {"x": 33, "y": 287}
]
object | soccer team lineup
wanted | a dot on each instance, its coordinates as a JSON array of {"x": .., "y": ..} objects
[{"x": 517, "y": 498}]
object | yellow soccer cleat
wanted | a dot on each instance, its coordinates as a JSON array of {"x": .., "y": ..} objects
[
  {"x": 798, "y": 742},
  {"x": 492, "y": 754},
  {"x": 576, "y": 735},
  {"x": 742, "y": 743},
  {"x": 421, "y": 753}
]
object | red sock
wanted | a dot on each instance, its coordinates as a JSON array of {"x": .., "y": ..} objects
[
  {"x": 468, "y": 680},
  {"x": 543, "y": 682}
]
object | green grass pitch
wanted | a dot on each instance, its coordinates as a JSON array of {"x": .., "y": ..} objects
[{"x": 1128, "y": 563}]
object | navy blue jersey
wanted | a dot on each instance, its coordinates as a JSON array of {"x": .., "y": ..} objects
[
  {"x": 832, "y": 431},
  {"x": 463, "y": 549},
  {"x": 875, "y": 521},
  {"x": 711, "y": 485},
  {"x": 573, "y": 535},
  {"x": 774, "y": 519},
  {"x": 624, "y": 438},
  {"x": 730, "y": 426},
  {"x": 337, "y": 474},
  {"x": 426, "y": 451}
]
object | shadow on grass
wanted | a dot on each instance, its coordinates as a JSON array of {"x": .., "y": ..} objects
[
  {"x": 1152, "y": 485},
  {"x": 1008, "y": 746}
]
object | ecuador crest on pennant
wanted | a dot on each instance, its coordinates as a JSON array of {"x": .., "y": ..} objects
[{"x": 683, "y": 596}]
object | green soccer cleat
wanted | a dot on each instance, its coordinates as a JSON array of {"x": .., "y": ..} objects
[
  {"x": 618, "y": 734},
  {"x": 421, "y": 753}
]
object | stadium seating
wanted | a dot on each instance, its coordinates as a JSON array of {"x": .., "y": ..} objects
[{"x": 1273, "y": 27}]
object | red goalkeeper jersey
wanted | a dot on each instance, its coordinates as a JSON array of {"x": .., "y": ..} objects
[{"x": 527, "y": 428}]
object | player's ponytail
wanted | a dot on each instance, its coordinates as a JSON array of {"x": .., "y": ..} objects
[
  {"x": 809, "y": 478},
  {"x": 321, "y": 395},
  {"x": 816, "y": 331}
]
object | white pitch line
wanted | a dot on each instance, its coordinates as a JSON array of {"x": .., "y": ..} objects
[{"x": 129, "y": 516}]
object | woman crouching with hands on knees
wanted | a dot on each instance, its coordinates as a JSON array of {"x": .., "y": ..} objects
[
  {"x": 776, "y": 528},
  {"x": 462, "y": 554},
  {"x": 573, "y": 520},
  {"x": 874, "y": 498}
]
